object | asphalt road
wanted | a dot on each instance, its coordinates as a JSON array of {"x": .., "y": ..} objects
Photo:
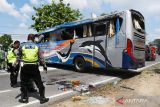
[{"x": 9, "y": 96}]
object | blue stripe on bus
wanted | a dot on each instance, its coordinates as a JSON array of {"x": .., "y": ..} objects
[
  {"x": 117, "y": 31},
  {"x": 55, "y": 59}
]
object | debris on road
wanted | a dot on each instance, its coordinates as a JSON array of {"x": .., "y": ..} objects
[
  {"x": 74, "y": 85},
  {"x": 75, "y": 82},
  {"x": 82, "y": 88},
  {"x": 127, "y": 87},
  {"x": 63, "y": 88},
  {"x": 64, "y": 85}
]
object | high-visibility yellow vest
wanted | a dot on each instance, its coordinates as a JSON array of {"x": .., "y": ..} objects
[
  {"x": 30, "y": 53},
  {"x": 11, "y": 57}
]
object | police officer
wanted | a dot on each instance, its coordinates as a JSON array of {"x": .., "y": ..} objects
[
  {"x": 11, "y": 58},
  {"x": 30, "y": 56}
]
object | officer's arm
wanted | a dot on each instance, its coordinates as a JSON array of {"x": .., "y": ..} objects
[
  {"x": 16, "y": 52},
  {"x": 42, "y": 61}
]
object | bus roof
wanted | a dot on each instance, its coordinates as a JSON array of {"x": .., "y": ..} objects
[
  {"x": 81, "y": 22},
  {"x": 68, "y": 25}
]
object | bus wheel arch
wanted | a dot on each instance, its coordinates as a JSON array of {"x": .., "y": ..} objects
[{"x": 79, "y": 63}]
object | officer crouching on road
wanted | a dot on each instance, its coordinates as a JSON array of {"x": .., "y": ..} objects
[{"x": 30, "y": 56}]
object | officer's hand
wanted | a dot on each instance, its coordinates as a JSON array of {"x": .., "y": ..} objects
[
  {"x": 14, "y": 64},
  {"x": 45, "y": 69}
]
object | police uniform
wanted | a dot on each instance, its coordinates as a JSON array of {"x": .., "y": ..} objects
[
  {"x": 11, "y": 58},
  {"x": 30, "y": 57}
]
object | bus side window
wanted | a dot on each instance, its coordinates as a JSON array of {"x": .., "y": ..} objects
[
  {"x": 100, "y": 29},
  {"x": 87, "y": 31},
  {"x": 40, "y": 38},
  {"x": 45, "y": 38},
  {"x": 67, "y": 34},
  {"x": 112, "y": 26},
  {"x": 79, "y": 32},
  {"x": 111, "y": 31},
  {"x": 53, "y": 36},
  {"x": 58, "y": 35}
]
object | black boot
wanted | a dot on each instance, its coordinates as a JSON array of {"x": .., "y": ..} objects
[
  {"x": 23, "y": 100},
  {"x": 24, "y": 96},
  {"x": 43, "y": 100}
]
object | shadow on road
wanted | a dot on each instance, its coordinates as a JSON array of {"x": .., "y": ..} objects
[{"x": 121, "y": 73}]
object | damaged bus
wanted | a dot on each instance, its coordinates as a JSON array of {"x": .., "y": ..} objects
[{"x": 116, "y": 40}]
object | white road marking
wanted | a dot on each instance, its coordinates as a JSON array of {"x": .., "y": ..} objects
[
  {"x": 5, "y": 91},
  {"x": 37, "y": 101},
  {"x": 41, "y": 70},
  {"x": 4, "y": 73}
]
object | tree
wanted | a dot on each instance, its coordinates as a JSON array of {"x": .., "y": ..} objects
[
  {"x": 5, "y": 41},
  {"x": 53, "y": 14},
  {"x": 157, "y": 41},
  {"x": 103, "y": 14}
]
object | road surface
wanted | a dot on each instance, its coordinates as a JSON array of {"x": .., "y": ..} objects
[{"x": 9, "y": 96}]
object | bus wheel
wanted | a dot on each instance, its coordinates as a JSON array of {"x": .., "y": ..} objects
[{"x": 79, "y": 64}]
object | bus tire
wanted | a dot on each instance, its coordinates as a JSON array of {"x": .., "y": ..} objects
[{"x": 79, "y": 64}]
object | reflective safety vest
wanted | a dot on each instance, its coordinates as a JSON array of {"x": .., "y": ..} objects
[
  {"x": 29, "y": 53},
  {"x": 11, "y": 57}
]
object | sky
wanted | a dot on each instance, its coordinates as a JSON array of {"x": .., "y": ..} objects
[{"x": 15, "y": 15}]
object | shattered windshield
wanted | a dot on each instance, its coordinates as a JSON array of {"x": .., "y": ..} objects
[{"x": 138, "y": 22}]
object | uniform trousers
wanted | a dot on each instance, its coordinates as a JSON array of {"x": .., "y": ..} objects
[{"x": 28, "y": 72}]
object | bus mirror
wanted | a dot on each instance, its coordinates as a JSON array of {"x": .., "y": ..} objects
[
  {"x": 36, "y": 39},
  {"x": 76, "y": 37},
  {"x": 40, "y": 38}
]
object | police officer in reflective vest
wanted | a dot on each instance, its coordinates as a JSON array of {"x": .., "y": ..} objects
[
  {"x": 30, "y": 56},
  {"x": 11, "y": 58}
]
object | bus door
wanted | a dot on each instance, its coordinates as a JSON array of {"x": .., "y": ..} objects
[
  {"x": 100, "y": 59},
  {"x": 116, "y": 41},
  {"x": 61, "y": 45},
  {"x": 57, "y": 45}
]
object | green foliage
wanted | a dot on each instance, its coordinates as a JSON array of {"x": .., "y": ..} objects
[
  {"x": 103, "y": 14},
  {"x": 53, "y": 14},
  {"x": 157, "y": 41},
  {"x": 5, "y": 41}
]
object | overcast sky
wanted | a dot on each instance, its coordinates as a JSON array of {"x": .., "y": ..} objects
[{"x": 15, "y": 15}]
